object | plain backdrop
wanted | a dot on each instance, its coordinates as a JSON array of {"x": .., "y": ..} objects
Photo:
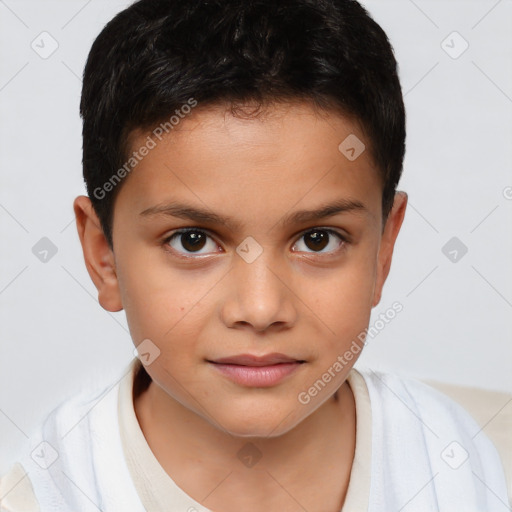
[{"x": 456, "y": 73}]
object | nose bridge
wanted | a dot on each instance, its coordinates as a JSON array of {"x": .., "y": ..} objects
[
  {"x": 258, "y": 296},
  {"x": 256, "y": 274}
]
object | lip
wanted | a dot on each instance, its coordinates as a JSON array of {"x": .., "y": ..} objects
[
  {"x": 257, "y": 371},
  {"x": 253, "y": 360}
]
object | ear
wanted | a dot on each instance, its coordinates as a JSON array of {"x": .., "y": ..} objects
[
  {"x": 387, "y": 244},
  {"x": 99, "y": 257}
]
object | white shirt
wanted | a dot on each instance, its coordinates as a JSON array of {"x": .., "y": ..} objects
[
  {"x": 156, "y": 488},
  {"x": 416, "y": 451}
]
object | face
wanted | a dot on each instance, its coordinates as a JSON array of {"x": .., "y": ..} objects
[{"x": 248, "y": 253}]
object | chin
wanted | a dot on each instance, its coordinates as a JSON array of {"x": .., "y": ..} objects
[
  {"x": 259, "y": 424},
  {"x": 260, "y": 431}
]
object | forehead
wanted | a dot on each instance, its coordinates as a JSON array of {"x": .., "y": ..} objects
[{"x": 288, "y": 155}]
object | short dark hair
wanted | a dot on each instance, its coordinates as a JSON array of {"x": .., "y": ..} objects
[{"x": 157, "y": 55}]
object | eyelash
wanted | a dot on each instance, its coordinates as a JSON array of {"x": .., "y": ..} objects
[{"x": 343, "y": 240}]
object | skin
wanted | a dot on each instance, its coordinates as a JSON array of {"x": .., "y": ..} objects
[{"x": 305, "y": 301}]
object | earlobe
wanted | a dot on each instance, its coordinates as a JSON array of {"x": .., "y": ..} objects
[
  {"x": 389, "y": 236},
  {"x": 98, "y": 256}
]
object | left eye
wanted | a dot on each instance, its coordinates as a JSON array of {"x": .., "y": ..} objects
[
  {"x": 192, "y": 240},
  {"x": 318, "y": 239}
]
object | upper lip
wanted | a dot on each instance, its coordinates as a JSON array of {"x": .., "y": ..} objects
[{"x": 252, "y": 360}]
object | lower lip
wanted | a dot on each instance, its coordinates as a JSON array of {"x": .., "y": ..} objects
[{"x": 257, "y": 376}]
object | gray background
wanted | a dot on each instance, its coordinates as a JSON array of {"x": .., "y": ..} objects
[{"x": 456, "y": 322}]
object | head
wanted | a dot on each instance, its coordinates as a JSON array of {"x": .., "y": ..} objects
[{"x": 241, "y": 160}]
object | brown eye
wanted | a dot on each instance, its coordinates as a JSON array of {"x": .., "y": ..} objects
[
  {"x": 191, "y": 241},
  {"x": 316, "y": 240}
]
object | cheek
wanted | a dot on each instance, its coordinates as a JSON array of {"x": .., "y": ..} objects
[
  {"x": 167, "y": 307},
  {"x": 153, "y": 302},
  {"x": 345, "y": 301}
]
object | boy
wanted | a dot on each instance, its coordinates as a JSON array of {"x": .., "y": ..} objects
[{"x": 241, "y": 160}]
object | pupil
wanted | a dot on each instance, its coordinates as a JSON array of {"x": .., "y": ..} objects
[
  {"x": 192, "y": 240},
  {"x": 318, "y": 239}
]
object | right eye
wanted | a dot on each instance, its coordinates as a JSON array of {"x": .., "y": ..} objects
[{"x": 192, "y": 240}]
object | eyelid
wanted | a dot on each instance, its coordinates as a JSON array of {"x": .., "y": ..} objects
[
  {"x": 342, "y": 234},
  {"x": 189, "y": 228}
]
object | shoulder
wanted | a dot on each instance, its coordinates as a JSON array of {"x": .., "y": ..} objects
[
  {"x": 438, "y": 415},
  {"x": 418, "y": 397},
  {"x": 416, "y": 422},
  {"x": 16, "y": 492},
  {"x": 62, "y": 443},
  {"x": 492, "y": 410}
]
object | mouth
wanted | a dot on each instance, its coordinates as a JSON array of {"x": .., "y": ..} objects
[{"x": 257, "y": 371}]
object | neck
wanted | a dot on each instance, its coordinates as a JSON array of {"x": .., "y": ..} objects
[{"x": 316, "y": 454}]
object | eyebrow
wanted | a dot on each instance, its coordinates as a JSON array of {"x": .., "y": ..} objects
[{"x": 184, "y": 211}]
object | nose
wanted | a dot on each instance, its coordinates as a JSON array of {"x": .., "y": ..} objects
[{"x": 259, "y": 295}]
